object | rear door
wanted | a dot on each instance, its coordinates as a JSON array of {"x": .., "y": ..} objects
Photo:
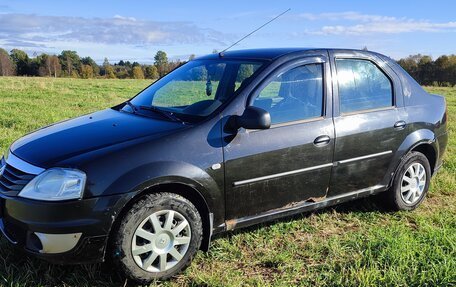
[
  {"x": 290, "y": 162},
  {"x": 370, "y": 121}
]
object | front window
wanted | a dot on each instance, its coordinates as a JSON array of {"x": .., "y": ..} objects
[
  {"x": 296, "y": 94},
  {"x": 196, "y": 89}
]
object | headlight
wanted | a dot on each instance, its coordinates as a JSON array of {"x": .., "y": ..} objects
[
  {"x": 2, "y": 167},
  {"x": 55, "y": 184}
]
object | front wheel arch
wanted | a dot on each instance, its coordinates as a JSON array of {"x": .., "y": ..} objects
[{"x": 181, "y": 189}]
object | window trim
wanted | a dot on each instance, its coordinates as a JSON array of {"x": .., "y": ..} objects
[
  {"x": 388, "y": 76},
  {"x": 286, "y": 67},
  {"x": 368, "y": 111},
  {"x": 297, "y": 122}
]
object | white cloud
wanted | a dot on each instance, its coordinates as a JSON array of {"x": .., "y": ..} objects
[
  {"x": 44, "y": 30},
  {"x": 350, "y": 15},
  {"x": 124, "y": 18},
  {"x": 393, "y": 27},
  {"x": 369, "y": 24}
]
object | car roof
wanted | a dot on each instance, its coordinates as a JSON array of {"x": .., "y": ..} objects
[{"x": 268, "y": 53}]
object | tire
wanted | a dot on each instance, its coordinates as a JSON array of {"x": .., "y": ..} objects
[
  {"x": 403, "y": 195},
  {"x": 146, "y": 231}
]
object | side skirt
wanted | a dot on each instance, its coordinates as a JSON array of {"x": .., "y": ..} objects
[{"x": 300, "y": 207}]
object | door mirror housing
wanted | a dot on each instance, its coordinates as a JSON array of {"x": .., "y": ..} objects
[{"x": 254, "y": 118}]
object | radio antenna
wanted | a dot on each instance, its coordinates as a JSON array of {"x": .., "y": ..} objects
[{"x": 238, "y": 41}]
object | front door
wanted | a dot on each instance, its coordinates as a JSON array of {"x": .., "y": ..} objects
[
  {"x": 290, "y": 162},
  {"x": 370, "y": 125}
]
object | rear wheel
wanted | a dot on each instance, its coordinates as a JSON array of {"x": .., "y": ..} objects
[
  {"x": 410, "y": 184},
  {"x": 158, "y": 237}
]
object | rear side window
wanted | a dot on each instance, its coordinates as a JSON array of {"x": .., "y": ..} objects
[{"x": 362, "y": 86}]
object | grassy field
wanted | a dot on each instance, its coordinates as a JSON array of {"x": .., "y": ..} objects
[{"x": 355, "y": 244}]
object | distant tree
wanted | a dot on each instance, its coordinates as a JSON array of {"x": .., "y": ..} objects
[
  {"x": 70, "y": 62},
  {"x": 110, "y": 73},
  {"x": 41, "y": 62},
  {"x": 21, "y": 60},
  {"x": 53, "y": 66},
  {"x": 410, "y": 64},
  {"x": 245, "y": 71},
  {"x": 443, "y": 70},
  {"x": 414, "y": 65},
  {"x": 108, "y": 70},
  {"x": 74, "y": 74},
  {"x": 106, "y": 62},
  {"x": 151, "y": 72},
  {"x": 191, "y": 57},
  {"x": 426, "y": 70},
  {"x": 174, "y": 64},
  {"x": 198, "y": 73},
  {"x": 365, "y": 48},
  {"x": 122, "y": 72},
  {"x": 215, "y": 51},
  {"x": 6, "y": 64},
  {"x": 452, "y": 69},
  {"x": 45, "y": 65},
  {"x": 86, "y": 71},
  {"x": 89, "y": 61},
  {"x": 128, "y": 64},
  {"x": 161, "y": 62},
  {"x": 137, "y": 72},
  {"x": 35, "y": 64}
]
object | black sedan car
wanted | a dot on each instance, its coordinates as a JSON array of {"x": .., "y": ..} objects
[{"x": 222, "y": 142}]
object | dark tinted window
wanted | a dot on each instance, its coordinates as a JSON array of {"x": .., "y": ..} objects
[
  {"x": 362, "y": 86},
  {"x": 296, "y": 94}
]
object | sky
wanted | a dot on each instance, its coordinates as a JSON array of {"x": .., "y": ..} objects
[{"x": 135, "y": 30}]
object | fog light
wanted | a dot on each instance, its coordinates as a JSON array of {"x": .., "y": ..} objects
[{"x": 57, "y": 243}]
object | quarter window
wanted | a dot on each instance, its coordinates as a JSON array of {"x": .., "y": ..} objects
[
  {"x": 296, "y": 94},
  {"x": 362, "y": 86}
]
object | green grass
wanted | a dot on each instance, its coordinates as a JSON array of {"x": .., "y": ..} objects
[
  {"x": 355, "y": 244},
  {"x": 183, "y": 93}
]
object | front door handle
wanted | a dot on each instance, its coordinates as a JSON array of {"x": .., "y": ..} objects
[
  {"x": 399, "y": 125},
  {"x": 322, "y": 140}
]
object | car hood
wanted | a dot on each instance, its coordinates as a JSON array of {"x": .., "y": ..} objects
[{"x": 50, "y": 145}]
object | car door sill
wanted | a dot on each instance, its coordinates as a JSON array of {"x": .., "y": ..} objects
[{"x": 299, "y": 207}]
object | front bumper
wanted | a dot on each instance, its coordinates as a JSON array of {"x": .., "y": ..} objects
[{"x": 39, "y": 227}]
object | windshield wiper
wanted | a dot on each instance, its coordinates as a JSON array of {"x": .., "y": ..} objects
[
  {"x": 133, "y": 107},
  {"x": 163, "y": 113}
]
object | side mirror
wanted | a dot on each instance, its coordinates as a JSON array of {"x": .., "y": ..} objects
[{"x": 254, "y": 118}]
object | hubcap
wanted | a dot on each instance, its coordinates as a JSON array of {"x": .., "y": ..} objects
[
  {"x": 413, "y": 183},
  {"x": 161, "y": 241}
]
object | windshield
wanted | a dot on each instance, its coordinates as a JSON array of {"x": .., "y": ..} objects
[{"x": 194, "y": 90}]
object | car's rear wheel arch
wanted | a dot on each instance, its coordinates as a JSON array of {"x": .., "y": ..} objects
[{"x": 429, "y": 152}]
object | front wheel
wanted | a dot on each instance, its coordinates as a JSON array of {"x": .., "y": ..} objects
[
  {"x": 157, "y": 238},
  {"x": 410, "y": 183}
]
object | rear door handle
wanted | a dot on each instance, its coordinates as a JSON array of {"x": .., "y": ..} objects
[
  {"x": 399, "y": 125},
  {"x": 322, "y": 140}
]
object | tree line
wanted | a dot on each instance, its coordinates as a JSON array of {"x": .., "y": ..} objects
[
  {"x": 439, "y": 72},
  {"x": 70, "y": 64},
  {"x": 426, "y": 71}
]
